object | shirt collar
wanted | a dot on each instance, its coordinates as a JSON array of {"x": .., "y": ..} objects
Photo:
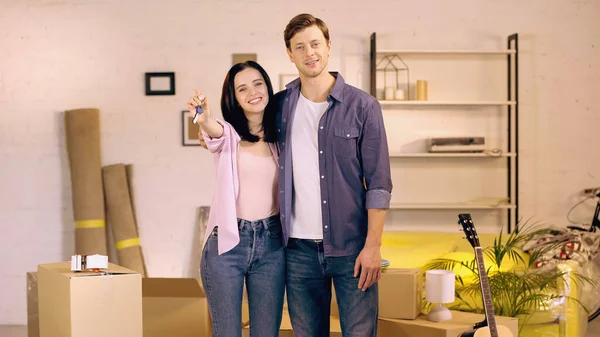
[{"x": 338, "y": 87}]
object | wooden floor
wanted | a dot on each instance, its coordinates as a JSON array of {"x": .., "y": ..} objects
[{"x": 21, "y": 331}]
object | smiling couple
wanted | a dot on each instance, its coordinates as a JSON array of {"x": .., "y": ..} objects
[{"x": 302, "y": 189}]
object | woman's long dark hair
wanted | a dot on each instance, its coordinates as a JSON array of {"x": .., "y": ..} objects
[{"x": 233, "y": 113}]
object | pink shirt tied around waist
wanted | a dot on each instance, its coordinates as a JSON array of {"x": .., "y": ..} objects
[{"x": 223, "y": 210}]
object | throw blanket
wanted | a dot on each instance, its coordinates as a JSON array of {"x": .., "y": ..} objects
[{"x": 563, "y": 244}]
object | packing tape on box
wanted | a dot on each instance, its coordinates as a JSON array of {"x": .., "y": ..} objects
[
  {"x": 89, "y": 224},
  {"x": 127, "y": 243}
]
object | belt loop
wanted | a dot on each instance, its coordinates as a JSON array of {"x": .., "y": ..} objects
[{"x": 240, "y": 224}]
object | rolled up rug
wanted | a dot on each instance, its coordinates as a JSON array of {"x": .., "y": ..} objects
[
  {"x": 120, "y": 214},
  {"x": 82, "y": 128},
  {"x": 129, "y": 171}
]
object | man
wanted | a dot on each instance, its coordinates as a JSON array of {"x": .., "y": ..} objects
[{"x": 334, "y": 189}]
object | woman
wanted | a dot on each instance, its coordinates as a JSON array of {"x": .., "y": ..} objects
[{"x": 243, "y": 237}]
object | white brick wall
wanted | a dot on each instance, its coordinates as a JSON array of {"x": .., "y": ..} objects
[{"x": 58, "y": 55}]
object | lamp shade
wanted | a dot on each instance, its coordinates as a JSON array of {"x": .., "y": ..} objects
[{"x": 439, "y": 286}]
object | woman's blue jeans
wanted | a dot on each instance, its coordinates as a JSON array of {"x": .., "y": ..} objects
[{"x": 259, "y": 260}]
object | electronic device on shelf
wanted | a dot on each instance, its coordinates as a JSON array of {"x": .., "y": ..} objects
[{"x": 455, "y": 144}]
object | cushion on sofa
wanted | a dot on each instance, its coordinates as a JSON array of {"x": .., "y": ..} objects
[{"x": 415, "y": 256}]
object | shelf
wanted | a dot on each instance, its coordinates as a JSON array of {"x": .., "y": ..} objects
[
  {"x": 507, "y": 103},
  {"x": 450, "y": 155},
  {"x": 449, "y": 206},
  {"x": 439, "y": 103},
  {"x": 449, "y": 52}
]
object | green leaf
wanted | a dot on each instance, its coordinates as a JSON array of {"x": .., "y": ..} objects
[{"x": 515, "y": 293}]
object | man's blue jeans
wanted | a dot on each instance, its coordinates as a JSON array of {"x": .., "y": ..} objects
[
  {"x": 258, "y": 259},
  {"x": 309, "y": 275}
]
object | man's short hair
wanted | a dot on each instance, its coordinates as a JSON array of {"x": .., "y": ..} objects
[{"x": 299, "y": 23}]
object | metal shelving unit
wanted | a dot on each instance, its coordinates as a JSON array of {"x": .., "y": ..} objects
[{"x": 511, "y": 104}]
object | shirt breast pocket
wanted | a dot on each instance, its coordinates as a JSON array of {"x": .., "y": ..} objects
[{"x": 345, "y": 141}]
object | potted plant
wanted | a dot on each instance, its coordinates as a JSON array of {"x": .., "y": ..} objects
[{"x": 518, "y": 287}]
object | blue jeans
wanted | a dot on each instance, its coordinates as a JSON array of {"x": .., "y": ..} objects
[
  {"x": 259, "y": 260},
  {"x": 309, "y": 275}
]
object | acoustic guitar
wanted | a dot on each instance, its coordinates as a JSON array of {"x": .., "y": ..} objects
[{"x": 487, "y": 327}]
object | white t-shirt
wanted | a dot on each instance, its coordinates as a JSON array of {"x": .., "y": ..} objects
[{"x": 307, "y": 221}]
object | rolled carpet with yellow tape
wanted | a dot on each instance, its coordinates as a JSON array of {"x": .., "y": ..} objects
[
  {"x": 119, "y": 212},
  {"x": 129, "y": 172},
  {"x": 82, "y": 128}
]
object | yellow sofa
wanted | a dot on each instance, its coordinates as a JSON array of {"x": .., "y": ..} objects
[{"x": 415, "y": 249}]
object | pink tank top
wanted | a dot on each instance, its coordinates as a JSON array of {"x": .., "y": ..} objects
[{"x": 257, "y": 198}]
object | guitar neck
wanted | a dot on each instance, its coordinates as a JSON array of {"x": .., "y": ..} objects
[{"x": 486, "y": 293}]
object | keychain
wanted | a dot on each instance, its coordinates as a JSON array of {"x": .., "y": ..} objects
[{"x": 199, "y": 111}]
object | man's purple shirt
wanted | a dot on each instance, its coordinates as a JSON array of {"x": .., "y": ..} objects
[{"x": 354, "y": 164}]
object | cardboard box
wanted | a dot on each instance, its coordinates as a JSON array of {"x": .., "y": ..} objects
[
  {"x": 33, "y": 322},
  {"x": 87, "y": 304},
  {"x": 175, "y": 307},
  {"x": 460, "y": 322},
  {"x": 400, "y": 293}
]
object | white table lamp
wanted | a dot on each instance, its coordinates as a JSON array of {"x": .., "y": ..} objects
[{"x": 439, "y": 289}]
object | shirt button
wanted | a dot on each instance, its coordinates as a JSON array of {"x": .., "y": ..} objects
[
  {"x": 281, "y": 167},
  {"x": 286, "y": 99},
  {"x": 324, "y": 201},
  {"x": 321, "y": 128},
  {"x": 284, "y": 120},
  {"x": 348, "y": 135},
  {"x": 283, "y": 143},
  {"x": 322, "y": 177},
  {"x": 325, "y": 226},
  {"x": 281, "y": 192},
  {"x": 278, "y": 130},
  {"x": 320, "y": 151}
]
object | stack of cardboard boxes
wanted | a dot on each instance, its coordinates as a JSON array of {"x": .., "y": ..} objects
[
  {"x": 400, "y": 306},
  {"x": 119, "y": 302}
]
